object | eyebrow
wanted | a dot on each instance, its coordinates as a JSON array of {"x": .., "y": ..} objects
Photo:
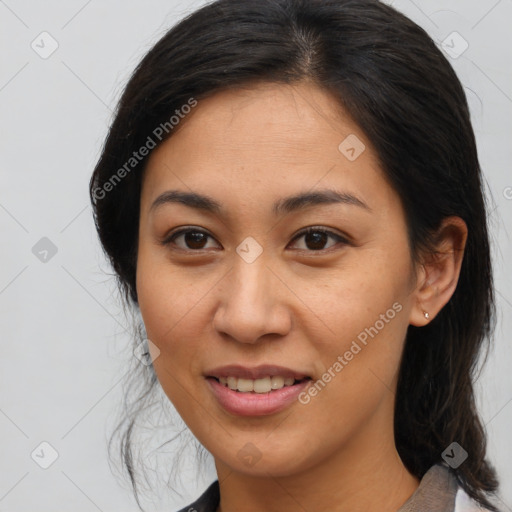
[{"x": 285, "y": 205}]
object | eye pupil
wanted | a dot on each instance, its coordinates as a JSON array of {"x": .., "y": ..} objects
[
  {"x": 318, "y": 238},
  {"x": 193, "y": 239}
]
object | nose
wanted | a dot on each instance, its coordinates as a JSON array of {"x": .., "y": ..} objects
[{"x": 252, "y": 303}]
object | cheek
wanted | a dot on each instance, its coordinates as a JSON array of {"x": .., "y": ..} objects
[
  {"x": 166, "y": 310},
  {"x": 172, "y": 304},
  {"x": 361, "y": 293},
  {"x": 364, "y": 313},
  {"x": 164, "y": 296},
  {"x": 160, "y": 304},
  {"x": 363, "y": 347}
]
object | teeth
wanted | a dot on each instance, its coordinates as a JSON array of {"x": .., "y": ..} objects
[
  {"x": 264, "y": 385},
  {"x": 277, "y": 382},
  {"x": 245, "y": 385}
]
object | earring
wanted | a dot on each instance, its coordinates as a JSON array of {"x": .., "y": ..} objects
[{"x": 426, "y": 315}]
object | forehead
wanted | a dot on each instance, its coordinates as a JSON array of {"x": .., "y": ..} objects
[
  {"x": 284, "y": 119},
  {"x": 265, "y": 137}
]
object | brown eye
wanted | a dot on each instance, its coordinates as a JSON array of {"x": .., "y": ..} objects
[
  {"x": 193, "y": 239},
  {"x": 315, "y": 239}
]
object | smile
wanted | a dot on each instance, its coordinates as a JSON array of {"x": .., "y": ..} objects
[{"x": 263, "y": 385}]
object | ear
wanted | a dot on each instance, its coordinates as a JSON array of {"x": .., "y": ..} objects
[{"x": 438, "y": 275}]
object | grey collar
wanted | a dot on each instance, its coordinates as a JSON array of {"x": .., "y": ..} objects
[{"x": 437, "y": 491}]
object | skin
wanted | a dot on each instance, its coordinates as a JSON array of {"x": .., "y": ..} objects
[{"x": 298, "y": 305}]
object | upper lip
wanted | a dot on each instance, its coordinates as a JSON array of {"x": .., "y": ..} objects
[{"x": 256, "y": 372}]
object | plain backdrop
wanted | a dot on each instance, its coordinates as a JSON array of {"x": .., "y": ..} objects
[{"x": 63, "y": 344}]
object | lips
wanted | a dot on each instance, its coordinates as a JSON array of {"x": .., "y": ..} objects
[{"x": 245, "y": 391}]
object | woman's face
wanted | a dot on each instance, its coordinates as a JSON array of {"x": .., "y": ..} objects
[{"x": 244, "y": 285}]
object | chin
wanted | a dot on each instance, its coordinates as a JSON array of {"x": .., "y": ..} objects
[{"x": 265, "y": 461}]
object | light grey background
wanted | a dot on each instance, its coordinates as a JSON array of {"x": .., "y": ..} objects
[{"x": 64, "y": 347}]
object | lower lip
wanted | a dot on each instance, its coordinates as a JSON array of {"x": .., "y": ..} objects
[{"x": 256, "y": 404}]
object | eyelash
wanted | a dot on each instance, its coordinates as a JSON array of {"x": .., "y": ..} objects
[{"x": 169, "y": 240}]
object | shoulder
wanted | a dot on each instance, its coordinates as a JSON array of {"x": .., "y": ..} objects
[{"x": 207, "y": 502}]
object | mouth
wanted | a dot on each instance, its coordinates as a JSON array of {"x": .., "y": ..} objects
[
  {"x": 258, "y": 391},
  {"x": 258, "y": 386}
]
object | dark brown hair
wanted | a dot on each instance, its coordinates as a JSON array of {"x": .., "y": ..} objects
[{"x": 388, "y": 74}]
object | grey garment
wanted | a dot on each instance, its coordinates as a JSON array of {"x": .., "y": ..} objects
[{"x": 436, "y": 493}]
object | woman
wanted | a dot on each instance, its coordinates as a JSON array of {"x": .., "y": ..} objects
[{"x": 291, "y": 197}]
